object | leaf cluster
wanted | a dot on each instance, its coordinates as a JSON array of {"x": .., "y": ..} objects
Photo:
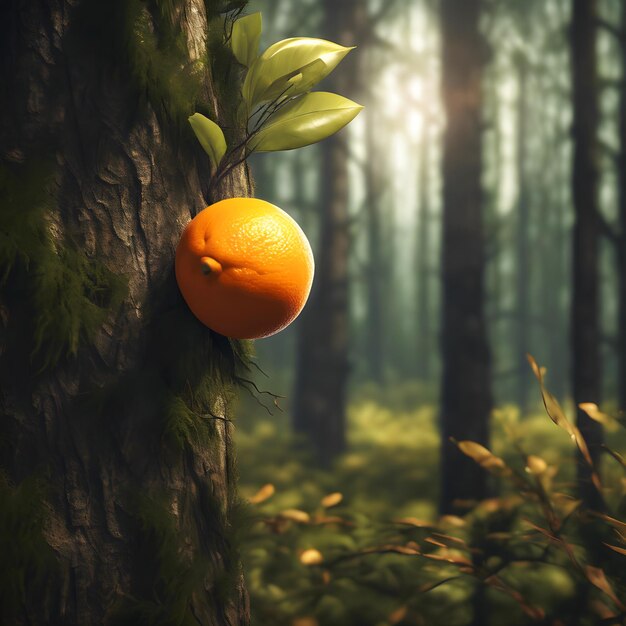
[{"x": 277, "y": 106}]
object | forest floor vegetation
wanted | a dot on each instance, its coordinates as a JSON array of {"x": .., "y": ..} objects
[{"x": 362, "y": 544}]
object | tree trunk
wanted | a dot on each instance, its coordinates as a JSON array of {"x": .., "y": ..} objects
[
  {"x": 422, "y": 254},
  {"x": 322, "y": 353},
  {"x": 466, "y": 386},
  {"x": 554, "y": 239},
  {"x": 621, "y": 248},
  {"x": 523, "y": 225},
  {"x": 585, "y": 330},
  {"x": 375, "y": 264},
  {"x": 118, "y": 412}
]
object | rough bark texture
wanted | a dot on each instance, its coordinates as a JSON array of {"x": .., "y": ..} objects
[
  {"x": 465, "y": 393},
  {"x": 585, "y": 330},
  {"x": 124, "y": 188},
  {"x": 322, "y": 354}
]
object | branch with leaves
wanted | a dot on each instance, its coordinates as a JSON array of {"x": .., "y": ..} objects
[{"x": 281, "y": 112}]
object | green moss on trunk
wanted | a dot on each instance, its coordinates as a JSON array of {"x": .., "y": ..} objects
[
  {"x": 28, "y": 563},
  {"x": 69, "y": 295}
]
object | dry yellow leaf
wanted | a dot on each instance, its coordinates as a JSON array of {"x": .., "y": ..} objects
[
  {"x": 332, "y": 499},
  {"x": 311, "y": 557},
  {"x": 612, "y": 521},
  {"x": 295, "y": 515},
  {"x": 412, "y": 521},
  {"x": 593, "y": 411},
  {"x": 535, "y": 465},
  {"x": 452, "y": 520},
  {"x": 616, "y": 548},
  {"x": 263, "y": 494},
  {"x": 597, "y": 578},
  {"x": 482, "y": 456},
  {"x": 553, "y": 408}
]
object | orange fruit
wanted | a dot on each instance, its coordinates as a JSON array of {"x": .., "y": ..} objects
[{"x": 244, "y": 268}]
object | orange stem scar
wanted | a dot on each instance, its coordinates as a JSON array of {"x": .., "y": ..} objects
[{"x": 210, "y": 266}]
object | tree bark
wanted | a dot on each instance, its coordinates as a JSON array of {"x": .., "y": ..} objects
[
  {"x": 139, "y": 527},
  {"x": 322, "y": 370},
  {"x": 466, "y": 387},
  {"x": 585, "y": 329}
]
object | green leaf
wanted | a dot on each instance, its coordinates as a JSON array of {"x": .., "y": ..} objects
[
  {"x": 269, "y": 75},
  {"x": 305, "y": 120},
  {"x": 245, "y": 38},
  {"x": 211, "y": 137}
]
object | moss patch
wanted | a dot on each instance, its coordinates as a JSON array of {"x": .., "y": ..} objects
[
  {"x": 167, "y": 575},
  {"x": 69, "y": 295},
  {"x": 27, "y": 560},
  {"x": 145, "y": 41}
]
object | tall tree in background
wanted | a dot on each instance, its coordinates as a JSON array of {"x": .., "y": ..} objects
[
  {"x": 115, "y": 412},
  {"x": 585, "y": 325},
  {"x": 376, "y": 262},
  {"x": 423, "y": 262},
  {"x": 523, "y": 278},
  {"x": 466, "y": 387},
  {"x": 620, "y": 240},
  {"x": 322, "y": 354}
]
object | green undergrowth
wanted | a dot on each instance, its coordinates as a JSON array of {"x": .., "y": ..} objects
[
  {"x": 68, "y": 296},
  {"x": 379, "y": 555}
]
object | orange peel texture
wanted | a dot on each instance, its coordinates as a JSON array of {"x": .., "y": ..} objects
[{"x": 244, "y": 268}]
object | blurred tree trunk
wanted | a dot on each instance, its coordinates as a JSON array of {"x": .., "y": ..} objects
[
  {"x": 136, "y": 470},
  {"x": 495, "y": 278},
  {"x": 422, "y": 256},
  {"x": 523, "y": 224},
  {"x": 322, "y": 355},
  {"x": 466, "y": 386},
  {"x": 375, "y": 265},
  {"x": 585, "y": 328},
  {"x": 621, "y": 243},
  {"x": 551, "y": 242}
]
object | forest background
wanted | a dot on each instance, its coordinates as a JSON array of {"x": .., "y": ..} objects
[{"x": 456, "y": 250}]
